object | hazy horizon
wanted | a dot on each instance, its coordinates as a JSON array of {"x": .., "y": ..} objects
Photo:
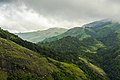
[{"x": 32, "y": 15}]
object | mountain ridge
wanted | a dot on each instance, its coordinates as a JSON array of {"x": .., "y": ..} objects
[{"x": 37, "y": 36}]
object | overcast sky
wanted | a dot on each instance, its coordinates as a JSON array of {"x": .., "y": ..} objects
[{"x": 30, "y": 15}]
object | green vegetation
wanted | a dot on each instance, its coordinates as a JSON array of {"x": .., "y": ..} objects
[
  {"x": 17, "y": 60},
  {"x": 91, "y": 52},
  {"x": 74, "y": 32},
  {"x": 70, "y": 48},
  {"x": 97, "y": 42},
  {"x": 20, "y": 63},
  {"x": 71, "y": 70},
  {"x": 3, "y": 75},
  {"x": 82, "y": 32}
]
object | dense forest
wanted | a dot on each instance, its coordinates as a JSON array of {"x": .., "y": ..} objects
[{"x": 97, "y": 42}]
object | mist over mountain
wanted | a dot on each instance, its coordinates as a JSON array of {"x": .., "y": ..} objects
[
  {"x": 29, "y": 15},
  {"x": 38, "y": 36},
  {"x": 86, "y": 30}
]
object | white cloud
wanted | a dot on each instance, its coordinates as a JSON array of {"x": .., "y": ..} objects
[
  {"x": 20, "y": 18},
  {"x": 29, "y": 15}
]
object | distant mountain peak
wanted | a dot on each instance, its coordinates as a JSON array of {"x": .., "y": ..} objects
[
  {"x": 40, "y": 35},
  {"x": 55, "y": 28},
  {"x": 98, "y": 23},
  {"x": 106, "y": 20}
]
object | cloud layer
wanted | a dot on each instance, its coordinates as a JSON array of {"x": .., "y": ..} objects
[{"x": 28, "y": 15}]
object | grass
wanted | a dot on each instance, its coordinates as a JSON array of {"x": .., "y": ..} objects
[{"x": 21, "y": 63}]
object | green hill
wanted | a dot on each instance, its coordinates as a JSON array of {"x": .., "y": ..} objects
[
  {"x": 74, "y": 32},
  {"x": 81, "y": 32},
  {"x": 20, "y": 63},
  {"x": 38, "y": 36}
]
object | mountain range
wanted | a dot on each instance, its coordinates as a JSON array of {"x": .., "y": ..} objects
[
  {"x": 98, "y": 42},
  {"x": 90, "y": 52}
]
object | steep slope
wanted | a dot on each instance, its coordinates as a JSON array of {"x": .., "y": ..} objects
[
  {"x": 38, "y": 36},
  {"x": 9, "y": 36},
  {"x": 108, "y": 34},
  {"x": 109, "y": 60},
  {"x": 20, "y": 63}
]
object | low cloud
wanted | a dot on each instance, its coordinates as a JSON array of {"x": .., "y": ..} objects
[{"x": 29, "y": 15}]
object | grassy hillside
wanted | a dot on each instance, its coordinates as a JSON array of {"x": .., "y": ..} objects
[
  {"x": 20, "y": 63},
  {"x": 32, "y": 46},
  {"x": 38, "y": 36}
]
